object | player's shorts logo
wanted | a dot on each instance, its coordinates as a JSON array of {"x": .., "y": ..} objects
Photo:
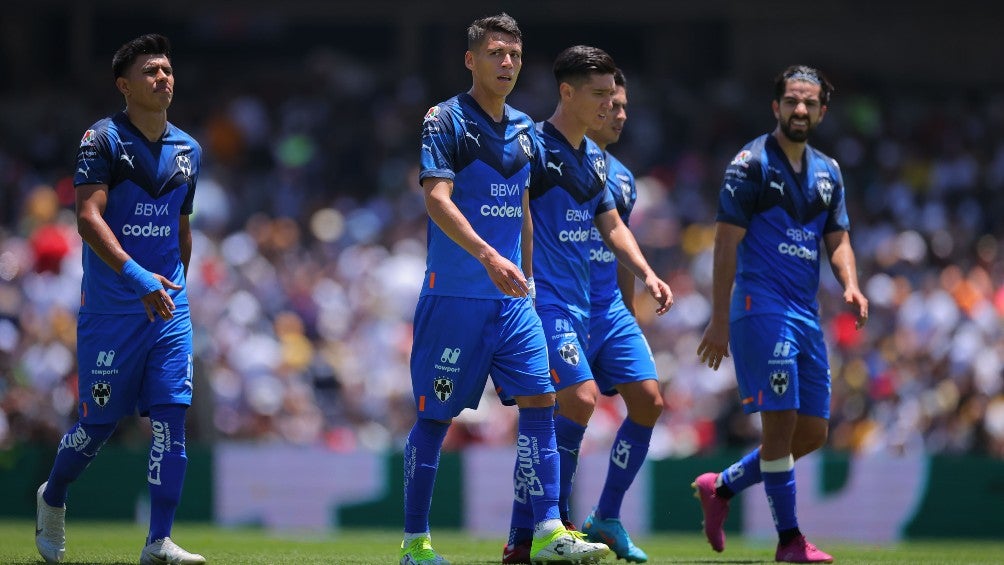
[
  {"x": 101, "y": 392},
  {"x": 569, "y": 354},
  {"x": 105, "y": 358},
  {"x": 779, "y": 382},
  {"x": 443, "y": 388}
]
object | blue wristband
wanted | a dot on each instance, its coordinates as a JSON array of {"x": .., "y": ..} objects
[{"x": 141, "y": 281}]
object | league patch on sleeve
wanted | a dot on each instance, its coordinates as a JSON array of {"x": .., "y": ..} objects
[
  {"x": 742, "y": 159},
  {"x": 432, "y": 115},
  {"x": 88, "y": 138}
]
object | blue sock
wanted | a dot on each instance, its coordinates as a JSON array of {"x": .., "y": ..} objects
[
  {"x": 421, "y": 461},
  {"x": 76, "y": 451},
  {"x": 626, "y": 457},
  {"x": 568, "y": 434},
  {"x": 779, "y": 483},
  {"x": 537, "y": 463},
  {"x": 743, "y": 473},
  {"x": 166, "y": 470}
]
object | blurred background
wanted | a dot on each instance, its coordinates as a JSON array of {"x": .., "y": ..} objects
[{"x": 310, "y": 225}]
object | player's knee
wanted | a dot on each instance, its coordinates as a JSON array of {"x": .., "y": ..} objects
[
  {"x": 806, "y": 443},
  {"x": 645, "y": 410}
]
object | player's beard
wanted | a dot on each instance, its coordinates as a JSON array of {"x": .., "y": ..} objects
[{"x": 799, "y": 136}]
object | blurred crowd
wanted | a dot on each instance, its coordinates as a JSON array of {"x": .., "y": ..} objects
[{"x": 309, "y": 253}]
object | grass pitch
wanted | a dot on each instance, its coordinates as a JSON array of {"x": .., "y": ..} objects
[{"x": 120, "y": 543}]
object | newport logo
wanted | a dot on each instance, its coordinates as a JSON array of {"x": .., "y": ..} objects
[
  {"x": 450, "y": 355},
  {"x": 105, "y": 358},
  {"x": 782, "y": 349}
]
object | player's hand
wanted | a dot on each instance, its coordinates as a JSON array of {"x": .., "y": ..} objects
[
  {"x": 714, "y": 345},
  {"x": 853, "y": 297},
  {"x": 506, "y": 275},
  {"x": 661, "y": 292},
  {"x": 158, "y": 302}
]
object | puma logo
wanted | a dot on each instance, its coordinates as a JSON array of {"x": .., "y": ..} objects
[
  {"x": 475, "y": 138},
  {"x": 779, "y": 187},
  {"x": 551, "y": 165}
]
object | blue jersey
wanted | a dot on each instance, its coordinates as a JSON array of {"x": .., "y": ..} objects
[
  {"x": 603, "y": 289},
  {"x": 785, "y": 216},
  {"x": 490, "y": 165},
  {"x": 563, "y": 204},
  {"x": 150, "y": 185}
]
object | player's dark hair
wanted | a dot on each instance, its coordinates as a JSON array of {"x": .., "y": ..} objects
[
  {"x": 149, "y": 44},
  {"x": 502, "y": 23},
  {"x": 807, "y": 74},
  {"x": 619, "y": 78},
  {"x": 575, "y": 64}
]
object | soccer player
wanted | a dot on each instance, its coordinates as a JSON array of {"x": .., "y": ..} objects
[
  {"x": 135, "y": 182},
  {"x": 781, "y": 201},
  {"x": 618, "y": 354},
  {"x": 566, "y": 206},
  {"x": 475, "y": 313}
]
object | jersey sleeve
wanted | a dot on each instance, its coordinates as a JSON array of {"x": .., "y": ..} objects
[
  {"x": 438, "y": 145},
  {"x": 95, "y": 157},
  {"x": 740, "y": 190}
]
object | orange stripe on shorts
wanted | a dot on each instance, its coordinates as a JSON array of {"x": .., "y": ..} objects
[
  {"x": 432, "y": 280},
  {"x": 421, "y": 403},
  {"x": 749, "y": 302},
  {"x": 554, "y": 375},
  {"x": 747, "y": 400}
]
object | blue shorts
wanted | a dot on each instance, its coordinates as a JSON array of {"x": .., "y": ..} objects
[
  {"x": 459, "y": 341},
  {"x": 781, "y": 364},
  {"x": 127, "y": 362},
  {"x": 567, "y": 339},
  {"x": 618, "y": 353}
]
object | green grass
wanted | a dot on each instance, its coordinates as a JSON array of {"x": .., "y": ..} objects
[{"x": 120, "y": 543}]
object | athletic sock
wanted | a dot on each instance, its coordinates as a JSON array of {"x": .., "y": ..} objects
[
  {"x": 537, "y": 462},
  {"x": 568, "y": 435},
  {"x": 76, "y": 451},
  {"x": 626, "y": 458},
  {"x": 779, "y": 483},
  {"x": 421, "y": 461},
  {"x": 166, "y": 470},
  {"x": 741, "y": 475}
]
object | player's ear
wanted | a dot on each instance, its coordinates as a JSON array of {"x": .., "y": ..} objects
[
  {"x": 822, "y": 112},
  {"x": 776, "y": 107},
  {"x": 469, "y": 60},
  {"x": 123, "y": 85},
  {"x": 565, "y": 90}
]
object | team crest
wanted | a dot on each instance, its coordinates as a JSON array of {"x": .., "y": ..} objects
[
  {"x": 625, "y": 183},
  {"x": 779, "y": 382},
  {"x": 742, "y": 158},
  {"x": 101, "y": 392},
  {"x": 524, "y": 143},
  {"x": 443, "y": 387},
  {"x": 600, "y": 164},
  {"x": 88, "y": 138},
  {"x": 432, "y": 115},
  {"x": 824, "y": 187},
  {"x": 569, "y": 354},
  {"x": 184, "y": 164}
]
